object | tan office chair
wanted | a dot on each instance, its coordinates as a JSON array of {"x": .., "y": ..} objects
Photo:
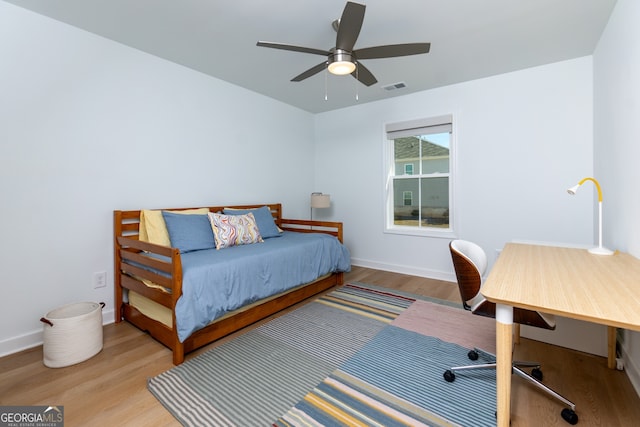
[{"x": 470, "y": 263}]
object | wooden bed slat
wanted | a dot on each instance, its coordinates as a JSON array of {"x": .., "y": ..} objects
[
  {"x": 165, "y": 282},
  {"x": 154, "y": 263},
  {"x": 132, "y": 227},
  {"x": 127, "y": 242},
  {"x": 308, "y": 226}
]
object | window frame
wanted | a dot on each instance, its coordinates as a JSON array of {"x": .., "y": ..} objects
[{"x": 435, "y": 122}]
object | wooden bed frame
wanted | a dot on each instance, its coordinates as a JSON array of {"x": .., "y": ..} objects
[{"x": 127, "y": 248}]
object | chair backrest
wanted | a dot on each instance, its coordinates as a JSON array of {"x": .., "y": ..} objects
[{"x": 470, "y": 263}]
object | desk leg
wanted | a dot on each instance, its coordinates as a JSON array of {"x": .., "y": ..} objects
[
  {"x": 611, "y": 347},
  {"x": 504, "y": 357}
]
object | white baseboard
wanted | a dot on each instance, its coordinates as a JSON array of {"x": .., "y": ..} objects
[
  {"x": 575, "y": 334},
  {"x": 34, "y": 339},
  {"x": 631, "y": 369},
  {"x": 405, "y": 269}
]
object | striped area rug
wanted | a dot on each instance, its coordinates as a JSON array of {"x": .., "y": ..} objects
[
  {"x": 396, "y": 378},
  {"x": 258, "y": 376}
]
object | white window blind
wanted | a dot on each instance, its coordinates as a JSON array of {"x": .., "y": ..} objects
[{"x": 426, "y": 126}]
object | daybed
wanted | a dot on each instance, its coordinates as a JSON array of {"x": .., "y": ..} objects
[{"x": 168, "y": 289}]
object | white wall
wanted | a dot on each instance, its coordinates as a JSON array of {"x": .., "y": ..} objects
[
  {"x": 88, "y": 126},
  {"x": 617, "y": 143},
  {"x": 521, "y": 138}
]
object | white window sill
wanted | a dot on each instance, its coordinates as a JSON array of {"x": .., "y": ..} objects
[{"x": 422, "y": 232}]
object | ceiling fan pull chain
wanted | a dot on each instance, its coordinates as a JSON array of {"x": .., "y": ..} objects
[
  {"x": 326, "y": 73},
  {"x": 357, "y": 79}
]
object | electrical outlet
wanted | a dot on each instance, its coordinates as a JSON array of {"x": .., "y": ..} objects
[{"x": 99, "y": 279}]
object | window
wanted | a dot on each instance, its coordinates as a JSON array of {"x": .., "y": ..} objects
[
  {"x": 418, "y": 170},
  {"x": 407, "y": 197}
]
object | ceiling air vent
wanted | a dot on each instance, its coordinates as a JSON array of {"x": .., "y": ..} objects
[{"x": 395, "y": 86}]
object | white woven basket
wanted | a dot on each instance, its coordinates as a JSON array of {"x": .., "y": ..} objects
[{"x": 72, "y": 334}]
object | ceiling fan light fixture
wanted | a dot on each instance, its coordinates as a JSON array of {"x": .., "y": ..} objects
[{"x": 341, "y": 63}]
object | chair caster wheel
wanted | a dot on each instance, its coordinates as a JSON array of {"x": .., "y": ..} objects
[
  {"x": 537, "y": 374},
  {"x": 473, "y": 355},
  {"x": 449, "y": 376},
  {"x": 570, "y": 416}
]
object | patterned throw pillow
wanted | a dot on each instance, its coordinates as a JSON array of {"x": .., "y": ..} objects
[
  {"x": 234, "y": 230},
  {"x": 263, "y": 217}
]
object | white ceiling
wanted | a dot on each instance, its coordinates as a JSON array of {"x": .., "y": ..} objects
[{"x": 470, "y": 39}]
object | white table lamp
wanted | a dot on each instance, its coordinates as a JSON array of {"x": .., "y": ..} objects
[
  {"x": 319, "y": 201},
  {"x": 599, "y": 250}
]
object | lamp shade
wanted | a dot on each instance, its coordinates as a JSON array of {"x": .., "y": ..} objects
[
  {"x": 319, "y": 200},
  {"x": 573, "y": 190}
]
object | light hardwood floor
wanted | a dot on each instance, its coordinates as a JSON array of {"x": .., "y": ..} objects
[{"x": 110, "y": 388}]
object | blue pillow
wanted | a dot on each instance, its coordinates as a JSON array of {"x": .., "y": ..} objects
[
  {"x": 189, "y": 232},
  {"x": 264, "y": 220}
]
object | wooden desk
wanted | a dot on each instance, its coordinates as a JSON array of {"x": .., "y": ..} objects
[{"x": 567, "y": 282}]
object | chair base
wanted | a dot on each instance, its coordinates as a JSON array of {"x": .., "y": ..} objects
[{"x": 534, "y": 378}]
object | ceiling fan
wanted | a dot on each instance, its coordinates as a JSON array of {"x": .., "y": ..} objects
[{"x": 343, "y": 59}]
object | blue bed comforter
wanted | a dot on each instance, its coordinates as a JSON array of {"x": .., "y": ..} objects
[{"x": 215, "y": 282}]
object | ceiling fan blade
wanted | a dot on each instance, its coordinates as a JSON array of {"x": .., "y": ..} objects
[
  {"x": 363, "y": 74},
  {"x": 392, "y": 50},
  {"x": 310, "y": 72},
  {"x": 294, "y": 48},
  {"x": 349, "y": 26}
]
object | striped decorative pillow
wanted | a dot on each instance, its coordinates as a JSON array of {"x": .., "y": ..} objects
[{"x": 234, "y": 230}]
